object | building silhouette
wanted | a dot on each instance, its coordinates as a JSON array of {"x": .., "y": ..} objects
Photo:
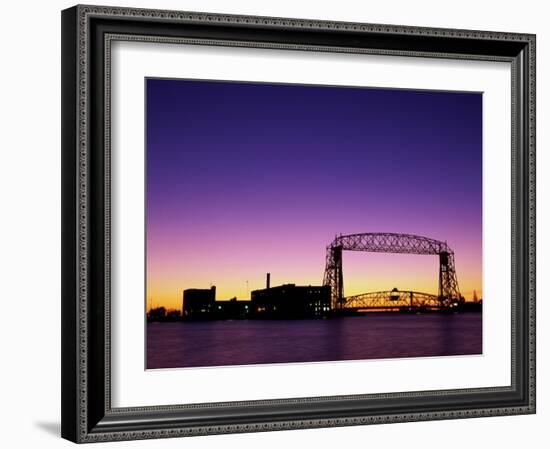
[
  {"x": 199, "y": 303},
  {"x": 287, "y": 301},
  {"x": 232, "y": 309},
  {"x": 290, "y": 301}
]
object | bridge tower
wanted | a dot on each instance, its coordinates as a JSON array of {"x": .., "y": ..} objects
[
  {"x": 334, "y": 275},
  {"x": 448, "y": 285}
]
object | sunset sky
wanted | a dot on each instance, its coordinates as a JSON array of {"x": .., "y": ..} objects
[{"x": 249, "y": 178}]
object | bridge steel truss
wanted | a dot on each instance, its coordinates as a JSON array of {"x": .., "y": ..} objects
[
  {"x": 385, "y": 242},
  {"x": 393, "y": 300}
]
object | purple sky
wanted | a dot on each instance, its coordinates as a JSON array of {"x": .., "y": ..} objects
[{"x": 245, "y": 178}]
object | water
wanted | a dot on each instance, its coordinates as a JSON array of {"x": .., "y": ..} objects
[{"x": 375, "y": 336}]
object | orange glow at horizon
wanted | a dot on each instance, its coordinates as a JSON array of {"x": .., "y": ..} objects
[{"x": 363, "y": 272}]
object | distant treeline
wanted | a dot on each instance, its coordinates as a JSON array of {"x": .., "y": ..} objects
[{"x": 162, "y": 314}]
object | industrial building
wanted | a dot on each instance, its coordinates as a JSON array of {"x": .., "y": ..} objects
[
  {"x": 199, "y": 303},
  {"x": 291, "y": 301},
  {"x": 288, "y": 301},
  {"x": 232, "y": 310}
]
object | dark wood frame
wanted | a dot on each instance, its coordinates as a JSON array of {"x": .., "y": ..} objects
[{"x": 87, "y": 414}]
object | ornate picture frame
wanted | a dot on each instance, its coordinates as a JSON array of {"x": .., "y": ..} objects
[{"x": 88, "y": 33}]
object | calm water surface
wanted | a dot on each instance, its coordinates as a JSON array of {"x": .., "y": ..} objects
[{"x": 375, "y": 336}]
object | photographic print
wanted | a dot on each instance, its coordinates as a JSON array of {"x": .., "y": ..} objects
[
  {"x": 291, "y": 223},
  {"x": 315, "y": 200}
]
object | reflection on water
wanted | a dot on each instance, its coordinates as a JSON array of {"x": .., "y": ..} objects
[{"x": 375, "y": 336}]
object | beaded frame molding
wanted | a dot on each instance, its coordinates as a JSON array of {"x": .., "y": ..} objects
[{"x": 87, "y": 34}]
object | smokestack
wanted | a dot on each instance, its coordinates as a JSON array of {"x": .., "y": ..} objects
[{"x": 268, "y": 280}]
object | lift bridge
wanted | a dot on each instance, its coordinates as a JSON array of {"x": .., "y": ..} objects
[{"x": 448, "y": 291}]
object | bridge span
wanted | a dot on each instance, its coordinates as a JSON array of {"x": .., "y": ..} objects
[{"x": 392, "y": 300}]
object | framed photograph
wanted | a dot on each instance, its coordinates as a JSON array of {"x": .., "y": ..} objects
[{"x": 275, "y": 223}]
